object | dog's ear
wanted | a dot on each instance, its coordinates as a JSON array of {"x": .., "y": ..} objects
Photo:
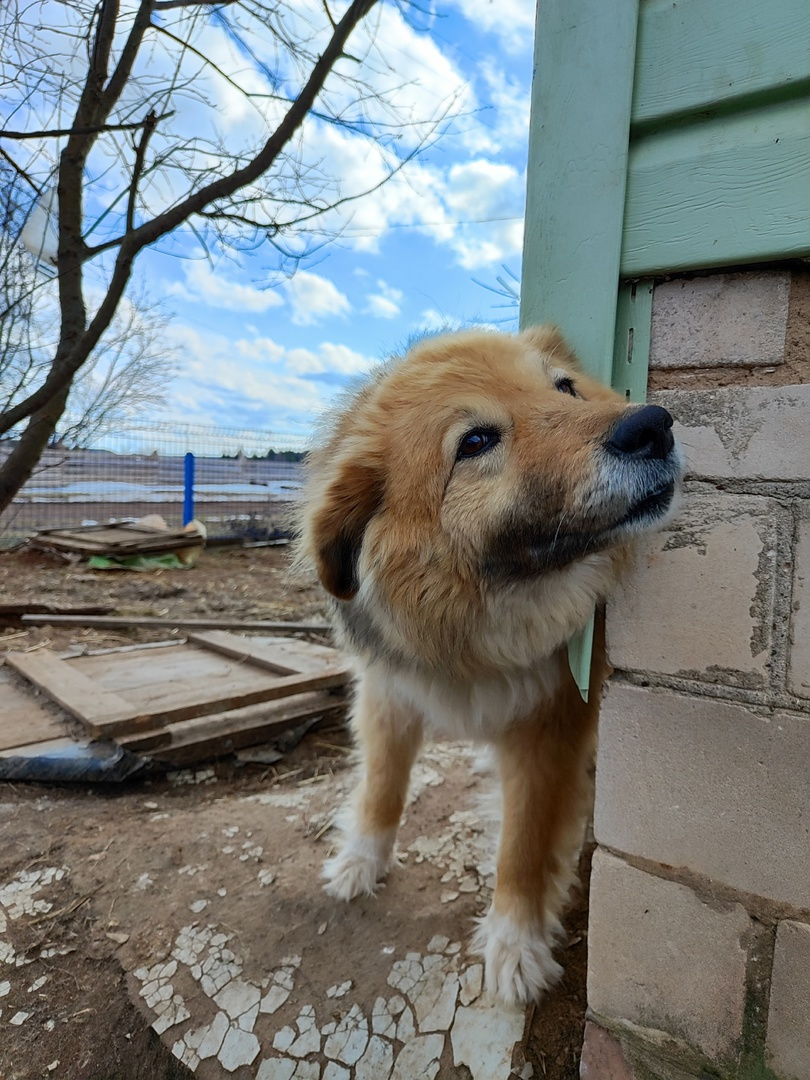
[
  {"x": 351, "y": 501},
  {"x": 548, "y": 341}
]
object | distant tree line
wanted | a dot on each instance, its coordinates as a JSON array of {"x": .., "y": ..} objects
[{"x": 271, "y": 455}]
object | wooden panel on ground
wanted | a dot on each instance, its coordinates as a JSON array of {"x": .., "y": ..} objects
[
  {"x": 23, "y": 719},
  {"x": 286, "y": 656},
  {"x": 69, "y": 688},
  {"x": 138, "y": 693},
  {"x": 126, "y": 539},
  {"x": 221, "y": 733}
]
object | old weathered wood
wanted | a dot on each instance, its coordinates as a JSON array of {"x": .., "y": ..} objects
[
  {"x": 111, "y": 622},
  {"x": 12, "y": 614},
  {"x": 192, "y": 697},
  {"x": 69, "y": 688},
  {"x": 281, "y": 656},
  {"x": 190, "y": 705},
  {"x": 116, "y": 539},
  {"x": 23, "y": 719},
  {"x": 220, "y": 733}
]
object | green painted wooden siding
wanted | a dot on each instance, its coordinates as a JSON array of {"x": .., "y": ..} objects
[
  {"x": 730, "y": 190},
  {"x": 703, "y": 55},
  {"x": 719, "y": 163}
]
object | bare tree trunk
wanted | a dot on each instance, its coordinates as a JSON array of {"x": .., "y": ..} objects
[{"x": 22, "y": 461}]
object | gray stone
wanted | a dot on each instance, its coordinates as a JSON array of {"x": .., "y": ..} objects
[
  {"x": 724, "y": 319},
  {"x": 699, "y": 599},
  {"x": 706, "y": 785},
  {"x": 788, "y": 1042},
  {"x": 660, "y": 958},
  {"x": 760, "y": 433}
]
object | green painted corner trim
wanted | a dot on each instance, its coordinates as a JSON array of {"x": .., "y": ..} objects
[
  {"x": 576, "y": 184},
  {"x": 577, "y": 171},
  {"x": 631, "y": 363},
  {"x": 631, "y": 351}
]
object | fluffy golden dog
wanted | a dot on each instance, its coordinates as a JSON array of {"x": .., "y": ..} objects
[{"x": 471, "y": 503}]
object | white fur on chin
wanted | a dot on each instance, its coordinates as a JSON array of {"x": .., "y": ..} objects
[
  {"x": 360, "y": 865},
  {"x": 517, "y": 959}
]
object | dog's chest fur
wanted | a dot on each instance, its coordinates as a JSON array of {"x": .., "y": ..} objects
[{"x": 478, "y": 709}]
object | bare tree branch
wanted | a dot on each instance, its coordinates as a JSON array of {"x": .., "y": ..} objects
[
  {"x": 165, "y": 178},
  {"x": 55, "y": 133}
]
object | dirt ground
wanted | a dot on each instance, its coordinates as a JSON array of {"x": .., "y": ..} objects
[{"x": 86, "y": 1020}]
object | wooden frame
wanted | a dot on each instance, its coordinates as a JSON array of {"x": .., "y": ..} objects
[{"x": 145, "y": 697}]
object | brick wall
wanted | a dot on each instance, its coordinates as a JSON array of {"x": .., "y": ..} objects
[{"x": 700, "y": 905}]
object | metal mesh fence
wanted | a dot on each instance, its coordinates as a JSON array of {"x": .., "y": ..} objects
[{"x": 243, "y": 479}]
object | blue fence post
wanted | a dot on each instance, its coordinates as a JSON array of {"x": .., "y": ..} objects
[{"x": 188, "y": 489}]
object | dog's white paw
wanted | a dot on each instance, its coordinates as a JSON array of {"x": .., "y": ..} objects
[
  {"x": 357, "y": 869},
  {"x": 517, "y": 959}
]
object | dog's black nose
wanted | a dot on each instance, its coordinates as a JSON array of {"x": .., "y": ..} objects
[{"x": 643, "y": 433}]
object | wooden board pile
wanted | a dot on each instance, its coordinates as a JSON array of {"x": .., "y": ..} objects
[
  {"x": 127, "y": 538},
  {"x": 208, "y": 695}
]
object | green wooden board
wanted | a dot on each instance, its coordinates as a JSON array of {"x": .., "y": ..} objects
[
  {"x": 730, "y": 191},
  {"x": 703, "y": 55}
]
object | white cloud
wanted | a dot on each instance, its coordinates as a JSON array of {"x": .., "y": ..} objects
[
  {"x": 313, "y": 297},
  {"x": 271, "y": 386},
  {"x": 214, "y": 288},
  {"x": 385, "y": 304},
  {"x": 511, "y": 20}
]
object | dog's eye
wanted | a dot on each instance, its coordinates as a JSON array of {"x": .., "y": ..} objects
[
  {"x": 566, "y": 386},
  {"x": 476, "y": 442}
]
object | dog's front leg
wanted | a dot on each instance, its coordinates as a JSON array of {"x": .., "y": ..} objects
[
  {"x": 544, "y": 764},
  {"x": 388, "y": 737}
]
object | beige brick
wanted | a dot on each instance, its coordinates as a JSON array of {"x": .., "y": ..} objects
[
  {"x": 788, "y": 1042},
  {"x": 706, "y": 785},
  {"x": 761, "y": 433},
  {"x": 602, "y": 1056},
  {"x": 699, "y": 600},
  {"x": 661, "y": 959},
  {"x": 723, "y": 319},
  {"x": 799, "y": 660}
]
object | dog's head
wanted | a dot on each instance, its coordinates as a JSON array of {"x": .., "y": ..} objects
[{"x": 481, "y": 479}]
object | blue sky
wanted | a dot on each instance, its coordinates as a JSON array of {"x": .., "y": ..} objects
[
  {"x": 259, "y": 357},
  {"x": 259, "y": 351}
]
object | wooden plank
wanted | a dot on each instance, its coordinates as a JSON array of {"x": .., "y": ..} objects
[
  {"x": 69, "y": 688},
  {"x": 105, "y": 622},
  {"x": 280, "y": 656},
  {"x": 699, "y": 55},
  {"x": 23, "y": 720},
  {"x": 726, "y": 192},
  {"x": 138, "y": 677},
  {"x": 578, "y": 144},
  {"x": 160, "y": 714},
  {"x": 220, "y": 733}
]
